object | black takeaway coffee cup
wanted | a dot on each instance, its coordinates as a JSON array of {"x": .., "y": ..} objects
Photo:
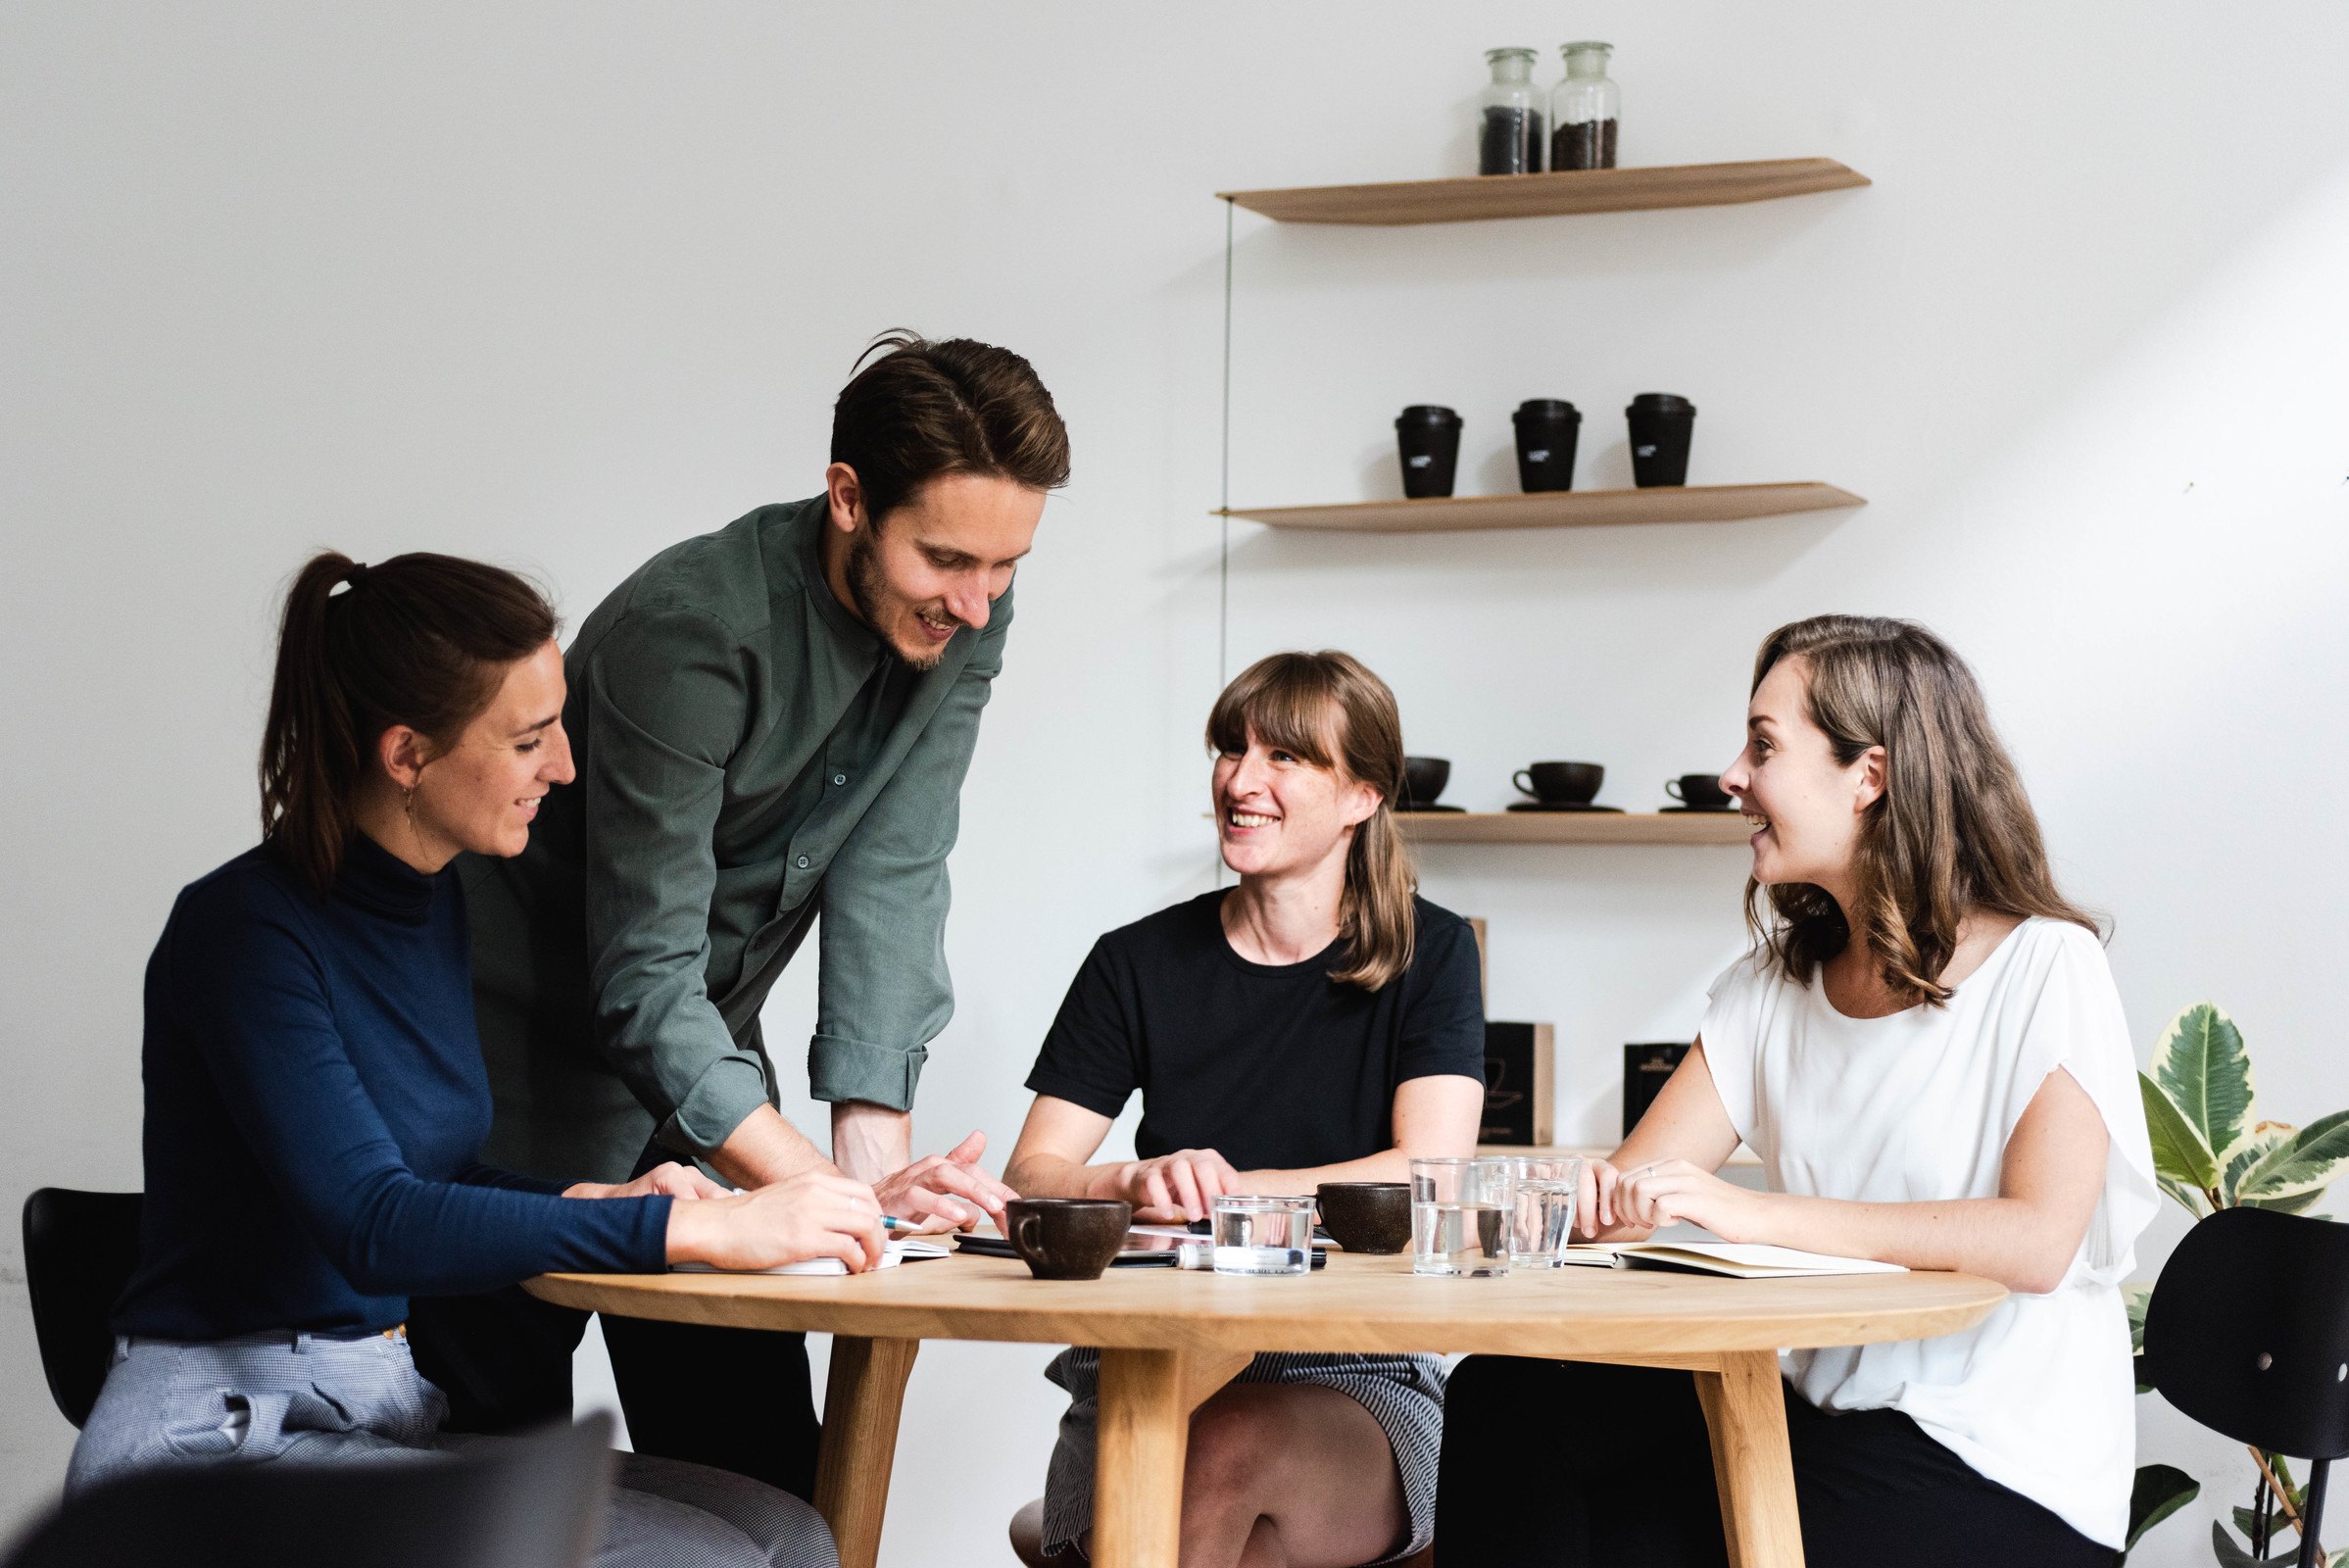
[
  {"x": 1547, "y": 428},
  {"x": 1427, "y": 436},
  {"x": 1660, "y": 427}
]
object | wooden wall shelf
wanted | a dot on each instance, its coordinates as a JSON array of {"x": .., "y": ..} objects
[
  {"x": 1557, "y": 509},
  {"x": 1581, "y": 190},
  {"x": 1575, "y": 827}
]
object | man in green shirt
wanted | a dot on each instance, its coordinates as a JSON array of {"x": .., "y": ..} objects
[{"x": 771, "y": 725}]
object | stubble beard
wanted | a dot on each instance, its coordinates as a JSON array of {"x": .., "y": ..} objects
[{"x": 869, "y": 588}]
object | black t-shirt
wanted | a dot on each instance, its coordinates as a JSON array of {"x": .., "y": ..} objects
[{"x": 1274, "y": 1066}]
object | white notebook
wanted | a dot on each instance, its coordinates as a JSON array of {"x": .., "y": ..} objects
[
  {"x": 1744, "y": 1260},
  {"x": 893, "y": 1252}
]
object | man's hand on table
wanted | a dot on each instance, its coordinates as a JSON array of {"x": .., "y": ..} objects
[{"x": 945, "y": 1192}]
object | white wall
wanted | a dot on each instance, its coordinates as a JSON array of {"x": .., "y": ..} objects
[{"x": 559, "y": 284}]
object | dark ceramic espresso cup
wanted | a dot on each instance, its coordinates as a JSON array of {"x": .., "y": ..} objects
[
  {"x": 1424, "y": 779},
  {"x": 1703, "y": 791},
  {"x": 1366, "y": 1216},
  {"x": 1067, "y": 1238},
  {"x": 1562, "y": 783}
]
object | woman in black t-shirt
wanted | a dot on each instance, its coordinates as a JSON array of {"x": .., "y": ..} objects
[{"x": 1318, "y": 1023}]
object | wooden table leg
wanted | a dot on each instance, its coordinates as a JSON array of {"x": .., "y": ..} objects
[
  {"x": 1745, "y": 1411},
  {"x": 863, "y": 1396},
  {"x": 1147, "y": 1399}
]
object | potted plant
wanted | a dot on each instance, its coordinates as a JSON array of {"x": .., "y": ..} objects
[{"x": 2211, "y": 1151}]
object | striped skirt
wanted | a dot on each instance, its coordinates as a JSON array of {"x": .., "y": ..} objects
[{"x": 1404, "y": 1393}]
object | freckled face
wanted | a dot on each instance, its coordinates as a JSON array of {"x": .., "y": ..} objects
[{"x": 1276, "y": 813}]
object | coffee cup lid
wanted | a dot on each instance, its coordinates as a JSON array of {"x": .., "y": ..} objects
[
  {"x": 1661, "y": 402},
  {"x": 1546, "y": 409},
  {"x": 1428, "y": 413}
]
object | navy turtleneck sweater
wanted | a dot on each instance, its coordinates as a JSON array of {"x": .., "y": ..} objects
[{"x": 314, "y": 1100}]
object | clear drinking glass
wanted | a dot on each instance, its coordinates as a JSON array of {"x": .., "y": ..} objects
[
  {"x": 1264, "y": 1235},
  {"x": 1460, "y": 1212},
  {"x": 1543, "y": 1211}
]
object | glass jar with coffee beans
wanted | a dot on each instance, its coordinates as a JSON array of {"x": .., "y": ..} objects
[
  {"x": 1509, "y": 116},
  {"x": 1583, "y": 109}
]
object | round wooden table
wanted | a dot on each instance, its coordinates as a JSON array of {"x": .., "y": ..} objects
[{"x": 1170, "y": 1339}]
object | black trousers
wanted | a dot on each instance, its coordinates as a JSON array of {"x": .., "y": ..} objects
[
  {"x": 1564, "y": 1463},
  {"x": 734, "y": 1398}
]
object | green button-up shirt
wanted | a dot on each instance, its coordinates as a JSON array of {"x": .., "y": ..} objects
[{"x": 751, "y": 756}]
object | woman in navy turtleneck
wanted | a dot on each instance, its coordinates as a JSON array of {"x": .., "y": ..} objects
[{"x": 314, "y": 1091}]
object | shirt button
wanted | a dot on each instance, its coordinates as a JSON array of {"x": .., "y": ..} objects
[
  {"x": 803, "y": 862},
  {"x": 840, "y": 778}
]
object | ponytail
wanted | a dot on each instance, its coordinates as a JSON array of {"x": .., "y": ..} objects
[
  {"x": 420, "y": 640},
  {"x": 1330, "y": 709}
]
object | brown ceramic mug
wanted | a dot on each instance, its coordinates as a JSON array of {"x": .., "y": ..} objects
[
  {"x": 1366, "y": 1216},
  {"x": 1067, "y": 1238}
]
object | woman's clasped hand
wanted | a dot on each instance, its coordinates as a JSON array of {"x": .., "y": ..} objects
[
  {"x": 816, "y": 1213},
  {"x": 1665, "y": 1191}
]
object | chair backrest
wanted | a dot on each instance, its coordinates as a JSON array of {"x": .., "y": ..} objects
[
  {"x": 2248, "y": 1331},
  {"x": 80, "y": 1249},
  {"x": 526, "y": 1503}
]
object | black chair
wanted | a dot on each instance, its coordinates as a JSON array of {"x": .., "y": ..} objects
[
  {"x": 525, "y": 1502},
  {"x": 2248, "y": 1333},
  {"x": 80, "y": 1252}
]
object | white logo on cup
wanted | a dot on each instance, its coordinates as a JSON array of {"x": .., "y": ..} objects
[{"x": 1422, "y": 461}]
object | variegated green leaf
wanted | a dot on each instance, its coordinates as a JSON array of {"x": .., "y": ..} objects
[
  {"x": 2307, "y": 1163},
  {"x": 2265, "y": 1139},
  {"x": 2180, "y": 1153},
  {"x": 2292, "y": 1203},
  {"x": 2185, "y": 1196},
  {"x": 2202, "y": 1066}
]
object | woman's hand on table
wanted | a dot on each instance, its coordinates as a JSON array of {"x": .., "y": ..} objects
[
  {"x": 1175, "y": 1189},
  {"x": 670, "y": 1179},
  {"x": 1669, "y": 1191},
  {"x": 817, "y": 1213},
  {"x": 945, "y": 1192}
]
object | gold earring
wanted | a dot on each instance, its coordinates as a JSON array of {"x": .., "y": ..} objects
[{"x": 407, "y": 805}]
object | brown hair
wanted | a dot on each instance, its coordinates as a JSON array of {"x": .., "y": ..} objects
[
  {"x": 1953, "y": 830},
  {"x": 420, "y": 640},
  {"x": 1330, "y": 709},
  {"x": 925, "y": 409}
]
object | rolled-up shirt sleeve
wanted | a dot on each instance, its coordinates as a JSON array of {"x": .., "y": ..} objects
[
  {"x": 884, "y": 992},
  {"x": 668, "y": 701}
]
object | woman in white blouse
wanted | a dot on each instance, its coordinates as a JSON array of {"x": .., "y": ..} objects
[{"x": 1926, "y": 1050}]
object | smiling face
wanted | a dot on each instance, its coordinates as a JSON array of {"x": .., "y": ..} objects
[
  {"x": 934, "y": 564},
  {"x": 482, "y": 792},
  {"x": 1278, "y": 815},
  {"x": 1806, "y": 807}
]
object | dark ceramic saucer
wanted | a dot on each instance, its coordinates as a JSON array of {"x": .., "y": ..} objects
[
  {"x": 1562, "y": 806},
  {"x": 1702, "y": 810},
  {"x": 1416, "y": 810}
]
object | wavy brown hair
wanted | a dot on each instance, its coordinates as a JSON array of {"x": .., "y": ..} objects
[
  {"x": 420, "y": 640},
  {"x": 1953, "y": 830},
  {"x": 923, "y": 410},
  {"x": 1331, "y": 711}
]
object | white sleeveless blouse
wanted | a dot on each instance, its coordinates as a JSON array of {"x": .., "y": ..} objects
[{"x": 1919, "y": 1106}]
